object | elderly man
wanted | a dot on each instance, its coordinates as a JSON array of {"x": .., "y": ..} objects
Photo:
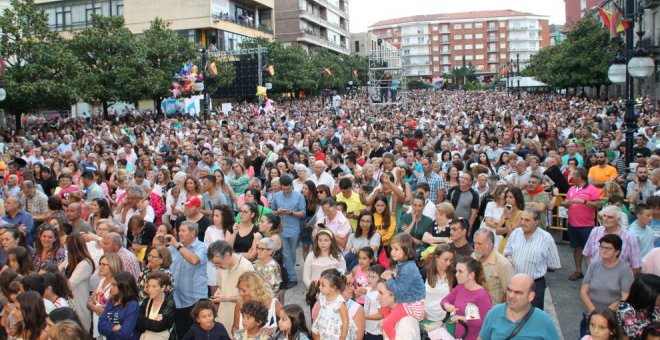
[
  {"x": 289, "y": 205},
  {"x": 34, "y": 201},
  {"x": 517, "y": 318},
  {"x": 532, "y": 250},
  {"x": 12, "y": 188},
  {"x": 18, "y": 217},
  {"x": 189, "y": 272},
  {"x": 320, "y": 176},
  {"x": 335, "y": 221},
  {"x": 611, "y": 217},
  {"x": 535, "y": 197},
  {"x": 229, "y": 266},
  {"x": 111, "y": 243},
  {"x": 73, "y": 214},
  {"x": 497, "y": 269}
]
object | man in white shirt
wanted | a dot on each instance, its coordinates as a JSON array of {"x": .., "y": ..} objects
[{"x": 321, "y": 177}]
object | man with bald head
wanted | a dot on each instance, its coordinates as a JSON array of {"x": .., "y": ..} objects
[
  {"x": 73, "y": 214},
  {"x": 111, "y": 243},
  {"x": 517, "y": 318}
]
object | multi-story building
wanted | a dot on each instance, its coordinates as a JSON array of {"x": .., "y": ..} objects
[
  {"x": 576, "y": 9},
  {"x": 557, "y": 34},
  {"x": 433, "y": 45},
  {"x": 364, "y": 43},
  {"x": 313, "y": 24},
  {"x": 219, "y": 24}
]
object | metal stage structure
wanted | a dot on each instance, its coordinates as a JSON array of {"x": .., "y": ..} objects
[
  {"x": 385, "y": 72},
  {"x": 249, "y": 63}
]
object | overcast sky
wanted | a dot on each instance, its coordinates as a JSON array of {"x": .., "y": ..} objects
[{"x": 366, "y": 12}]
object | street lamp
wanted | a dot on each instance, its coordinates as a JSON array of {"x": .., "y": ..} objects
[
  {"x": 636, "y": 63},
  {"x": 201, "y": 87}
]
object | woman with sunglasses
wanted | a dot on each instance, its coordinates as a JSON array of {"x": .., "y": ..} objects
[{"x": 48, "y": 249}]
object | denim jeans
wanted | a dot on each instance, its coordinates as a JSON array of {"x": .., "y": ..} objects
[{"x": 289, "y": 252}]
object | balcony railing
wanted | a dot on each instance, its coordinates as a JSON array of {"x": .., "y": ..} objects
[
  {"x": 243, "y": 22},
  {"x": 523, "y": 28},
  {"x": 445, "y": 42},
  {"x": 323, "y": 42},
  {"x": 313, "y": 17},
  {"x": 413, "y": 33},
  {"x": 327, "y": 4},
  {"x": 415, "y": 43},
  {"x": 493, "y": 39}
]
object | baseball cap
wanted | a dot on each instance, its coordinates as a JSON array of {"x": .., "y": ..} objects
[{"x": 193, "y": 201}]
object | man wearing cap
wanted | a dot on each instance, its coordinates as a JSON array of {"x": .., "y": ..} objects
[
  {"x": 192, "y": 212},
  {"x": 290, "y": 206}
]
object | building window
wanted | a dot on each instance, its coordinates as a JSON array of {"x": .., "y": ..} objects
[
  {"x": 458, "y": 58},
  {"x": 458, "y": 26},
  {"x": 468, "y": 46},
  {"x": 468, "y": 37},
  {"x": 435, "y": 28},
  {"x": 469, "y": 57},
  {"x": 357, "y": 47},
  {"x": 502, "y": 35},
  {"x": 502, "y": 24},
  {"x": 458, "y": 47},
  {"x": 479, "y": 25},
  {"x": 436, "y": 58},
  {"x": 478, "y": 36},
  {"x": 480, "y": 67},
  {"x": 445, "y": 28},
  {"x": 458, "y": 37},
  {"x": 468, "y": 26},
  {"x": 436, "y": 48},
  {"x": 435, "y": 38},
  {"x": 436, "y": 69},
  {"x": 480, "y": 57},
  {"x": 478, "y": 46},
  {"x": 502, "y": 45},
  {"x": 502, "y": 56}
]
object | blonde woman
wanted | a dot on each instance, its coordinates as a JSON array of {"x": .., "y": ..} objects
[
  {"x": 109, "y": 264},
  {"x": 253, "y": 287}
]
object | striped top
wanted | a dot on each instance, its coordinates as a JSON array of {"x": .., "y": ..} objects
[{"x": 533, "y": 256}]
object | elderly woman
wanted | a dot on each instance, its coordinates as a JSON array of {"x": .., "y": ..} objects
[
  {"x": 158, "y": 259},
  {"x": 607, "y": 281},
  {"x": 611, "y": 220}
]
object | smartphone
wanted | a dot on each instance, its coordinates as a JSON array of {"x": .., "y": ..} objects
[{"x": 321, "y": 225}]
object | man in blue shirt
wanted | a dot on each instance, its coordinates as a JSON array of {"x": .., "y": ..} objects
[
  {"x": 503, "y": 319},
  {"x": 189, "y": 272},
  {"x": 289, "y": 205},
  {"x": 19, "y": 217}
]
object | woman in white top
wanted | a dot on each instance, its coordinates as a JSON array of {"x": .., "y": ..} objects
[
  {"x": 78, "y": 272},
  {"x": 325, "y": 255},
  {"x": 252, "y": 287},
  {"x": 439, "y": 281},
  {"x": 494, "y": 215}
]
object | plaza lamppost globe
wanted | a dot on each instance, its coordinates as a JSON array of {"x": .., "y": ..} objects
[
  {"x": 617, "y": 73},
  {"x": 641, "y": 65}
]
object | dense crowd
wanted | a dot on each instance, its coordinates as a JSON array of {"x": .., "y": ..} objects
[{"x": 434, "y": 218}]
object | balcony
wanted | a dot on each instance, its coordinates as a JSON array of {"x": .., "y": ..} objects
[
  {"x": 415, "y": 43},
  {"x": 493, "y": 50},
  {"x": 447, "y": 52},
  {"x": 445, "y": 42},
  {"x": 523, "y": 28},
  {"x": 416, "y": 63},
  {"x": 415, "y": 54},
  {"x": 312, "y": 17},
  {"x": 327, "y": 4},
  {"x": 445, "y": 62},
  {"x": 413, "y": 33},
  {"x": 524, "y": 39},
  {"x": 493, "y": 61},
  {"x": 445, "y": 32},
  {"x": 523, "y": 49},
  {"x": 490, "y": 39},
  {"x": 322, "y": 41},
  {"x": 259, "y": 27}
]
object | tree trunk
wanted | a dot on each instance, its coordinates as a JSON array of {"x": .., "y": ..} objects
[
  {"x": 106, "y": 116},
  {"x": 17, "y": 117}
]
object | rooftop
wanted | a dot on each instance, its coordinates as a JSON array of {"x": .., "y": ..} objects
[{"x": 452, "y": 16}]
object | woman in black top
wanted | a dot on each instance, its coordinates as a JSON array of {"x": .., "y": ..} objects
[{"x": 246, "y": 233}]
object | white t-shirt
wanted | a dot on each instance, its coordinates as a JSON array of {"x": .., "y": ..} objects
[{"x": 371, "y": 306}]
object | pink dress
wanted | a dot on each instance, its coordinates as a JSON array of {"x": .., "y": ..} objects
[{"x": 361, "y": 281}]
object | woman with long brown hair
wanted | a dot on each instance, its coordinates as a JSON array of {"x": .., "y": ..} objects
[
  {"x": 80, "y": 268},
  {"x": 30, "y": 315},
  {"x": 48, "y": 249},
  {"x": 440, "y": 281}
]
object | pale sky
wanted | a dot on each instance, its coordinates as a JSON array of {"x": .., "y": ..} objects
[{"x": 367, "y": 12}]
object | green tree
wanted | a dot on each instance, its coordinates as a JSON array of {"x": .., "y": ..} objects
[
  {"x": 581, "y": 60},
  {"x": 115, "y": 66},
  {"x": 41, "y": 71},
  {"x": 165, "y": 51}
]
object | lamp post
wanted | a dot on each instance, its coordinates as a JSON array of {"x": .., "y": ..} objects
[
  {"x": 636, "y": 63},
  {"x": 205, "y": 56}
]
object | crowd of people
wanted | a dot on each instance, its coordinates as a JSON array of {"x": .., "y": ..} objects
[{"x": 437, "y": 218}]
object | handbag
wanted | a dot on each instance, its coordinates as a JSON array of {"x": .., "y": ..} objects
[{"x": 521, "y": 324}]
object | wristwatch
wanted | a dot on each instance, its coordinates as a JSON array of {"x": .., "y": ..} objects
[{"x": 179, "y": 246}]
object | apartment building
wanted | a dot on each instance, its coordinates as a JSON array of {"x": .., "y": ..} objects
[
  {"x": 217, "y": 24},
  {"x": 313, "y": 24},
  {"x": 364, "y": 43},
  {"x": 576, "y": 9},
  {"x": 433, "y": 45}
]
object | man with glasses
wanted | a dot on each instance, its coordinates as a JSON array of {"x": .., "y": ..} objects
[
  {"x": 611, "y": 220},
  {"x": 229, "y": 267},
  {"x": 532, "y": 250},
  {"x": 290, "y": 206},
  {"x": 582, "y": 200}
]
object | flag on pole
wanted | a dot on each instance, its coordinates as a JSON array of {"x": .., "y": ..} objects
[
  {"x": 327, "y": 72},
  {"x": 613, "y": 21},
  {"x": 270, "y": 69}
]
